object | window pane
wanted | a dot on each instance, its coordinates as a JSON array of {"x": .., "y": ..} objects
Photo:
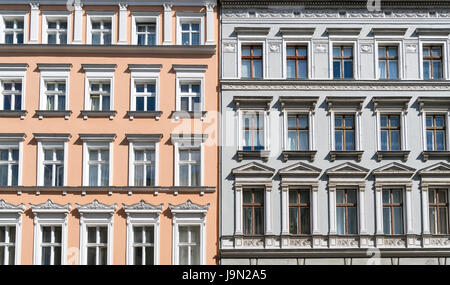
[
  {"x": 46, "y": 254},
  {"x": 387, "y": 220},
  {"x": 14, "y": 175},
  {"x": 51, "y": 39},
  {"x": 48, "y": 175},
  {"x": 351, "y": 196},
  {"x": 3, "y": 175},
  {"x": 442, "y": 196},
  {"x": 257, "y": 68},
  {"x": 437, "y": 69},
  {"x": 61, "y": 103},
  {"x": 92, "y": 234},
  {"x": 105, "y": 175},
  {"x": 4, "y": 154},
  {"x": 338, "y": 140},
  {"x": 12, "y": 234},
  {"x": 336, "y": 69},
  {"x": 138, "y": 234},
  {"x": 257, "y": 51},
  {"x": 352, "y": 221},
  {"x": 184, "y": 175},
  {"x": 46, "y": 234},
  {"x": 384, "y": 140},
  {"x": 57, "y": 255},
  {"x": 426, "y": 69},
  {"x": 336, "y": 51},
  {"x": 440, "y": 140},
  {"x": 293, "y": 197},
  {"x": 184, "y": 255},
  {"x": 395, "y": 140},
  {"x": 440, "y": 121},
  {"x": 140, "y": 103},
  {"x": 149, "y": 255},
  {"x": 397, "y": 196},
  {"x": 443, "y": 220},
  {"x": 247, "y": 196},
  {"x": 259, "y": 197},
  {"x": 245, "y": 51},
  {"x": 58, "y": 234},
  {"x": 292, "y": 140},
  {"x": 382, "y": 69},
  {"x": 304, "y": 197},
  {"x": 139, "y": 175},
  {"x": 340, "y": 220},
  {"x": 293, "y": 220},
  {"x": 348, "y": 69},
  {"x": 93, "y": 175},
  {"x": 195, "y": 175},
  {"x": 290, "y": 68},
  {"x": 436, "y": 51},
  {"x": 137, "y": 256},
  {"x": 103, "y": 234},
  {"x": 245, "y": 70},
  {"x": 433, "y": 221},
  {"x": 348, "y": 51},
  {"x": 398, "y": 222},
  {"x": 393, "y": 72},
  {"x": 2, "y": 255},
  {"x": 430, "y": 140},
  {"x": 381, "y": 51},
  {"x": 95, "y": 38},
  {"x": 106, "y": 103},
  {"x": 303, "y": 139},
  {"x": 195, "y": 38},
  {"x": 247, "y": 220},
  {"x": 386, "y": 196},
  {"x": 302, "y": 69},
  {"x": 107, "y": 38},
  {"x": 349, "y": 140},
  {"x": 290, "y": 51},
  {"x": 305, "y": 220},
  {"x": 259, "y": 220},
  {"x": 185, "y": 39},
  {"x": 91, "y": 256},
  {"x": 340, "y": 196},
  {"x": 149, "y": 234},
  {"x": 103, "y": 256},
  {"x": 151, "y": 104},
  {"x": 12, "y": 254}
]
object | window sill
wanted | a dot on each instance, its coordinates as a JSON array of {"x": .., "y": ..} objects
[
  {"x": 427, "y": 154},
  {"x": 98, "y": 114},
  {"x": 144, "y": 114},
  {"x": 355, "y": 154},
  {"x": 264, "y": 154},
  {"x": 53, "y": 114},
  {"x": 309, "y": 154},
  {"x": 393, "y": 153},
  {"x": 189, "y": 115},
  {"x": 13, "y": 114}
]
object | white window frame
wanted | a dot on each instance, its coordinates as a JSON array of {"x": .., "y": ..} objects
[
  {"x": 98, "y": 73},
  {"x": 49, "y": 214},
  {"x": 53, "y": 74},
  {"x": 11, "y": 215},
  {"x": 13, "y": 14},
  {"x": 190, "y": 94},
  {"x": 266, "y": 122},
  {"x": 94, "y": 16},
  {"x": 147, "y": 75},
  {"x": 288, "y": 42},
  {"x": 191, "y": 74},
  {"x": 13, "y": 73},
  {"x": 403, "y": 127},
  {"x": 354, "y": 45},
  {"x": 249, "y": 41},
  {"x": 143, "y": 214},
  {"x": 429, "y": 111},
  {"x": 55, "y": 15},
  {"x": 94, "y": 142},
  {"x": 188, "y": 214},
  {"x": 445, "y": 50},
  {"x": 198, "y": 18},
  {"x": 400, "y": 55},
  {"x": 145, "y": 17},
  {"x": 51, "y": 141},
  {"x": 145, "y": 142},
  {"x": 14, "y": 141},
  {"x": 96, "y": 214},
  {"x": 310, "y": 115}
]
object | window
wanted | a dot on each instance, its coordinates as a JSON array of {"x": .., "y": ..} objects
[
  {"x": 144, "y": 166},
  {"x": 189, "y": 166},
  {"x": 190, "y": 33},
  {"x": 190, "y": 97},
  {"x": 436, "y": 129},
  {"x": 390, "y": 132},
  {"x": 432, "y": 62},
  {"x": 189, "y": 245},
  {"x": 51, "y": 244},
  {"x": 7, "y": 244},
  {"x": 55, "y": 94},
  {"x": 297, "y": 62},
  {"x": 53, "y": 166},
  {"x": 253, "y": 210},
  {"x": 253, "y": 129},
  {"x": 143, "y": 245},
  {"x": 344, "y": 132},
  {"x": 146, "y": 33},
  {"x": 56, "y": 31},
  {"x": 12, "y": 94},
  {"x": 252, "y": 62},
  {"x": 98, "y": 167},
  {"x": 392, "y": 212},
  {"x": 342, "y": 62},
  {"x": 299, "y": 212},
  {"x": 145, "y": 94},
  {"x": 14, "y": 30},
  {"x": 97, "y": 245},
  {"x": 9, "y": 166},
  {"x": 298, "y": 132},
  {"x": 100, "y": 95},
  {"x": 101, "y": 31},
  {"x": 388, "y": 62},
  {"x": 438, "y": 202},
  {"x": 346, "y": 211}
]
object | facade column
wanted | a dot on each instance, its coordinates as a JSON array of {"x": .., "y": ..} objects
[
  {"x": 362, "y": 209},
  {"x": 78, "y": 23},
  {"x": 284, "y": 210},
  {"x": 268, "y": 210},
  {"x": 210, "y": 23},
  {"x": 379, "y": 209},
  {"x": 425, "y": 211},
  {"x": 332, "y": 197},
  {"x": 34, "y": 23},
  {"x": 167, "y": 24},
  {"x": 123, "y": 24},
  {"x": 409, "y": 227},
  {"x": 238, "y": 210},
  {"x": 315, "y": 210}
]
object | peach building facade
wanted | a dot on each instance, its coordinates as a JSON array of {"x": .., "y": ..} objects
[{"x": 108, "y": 132}]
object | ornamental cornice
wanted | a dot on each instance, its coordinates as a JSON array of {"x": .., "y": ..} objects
[
  {"x": 142, "y": 206},
  {"x": 50, "y": 205},
  {"x": 96, "y": 206},
  {"x": 189, "y": 206},
  {"x": 11, "y": 207}
]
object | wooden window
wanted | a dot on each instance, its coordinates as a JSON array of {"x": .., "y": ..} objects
[
  {"x": 388, "y": 62},
  {"x": 297, "y": 61},
  {"x": 436, "y": 130},
  {"x": 346, "y": 212},
  {"x": 438, "y": 201},
  {"x": 392, "y": 211},
  {"x": 253, "y": 131},
  {"x": 390, "y": 132},
  {"x": 342, "y": 62},
  {"x": 299, "y": 212},
  {"x": 298, "y": 132},
  {"x": 432, "y": 62},
  {"x": 252, "y": 61},
  {"x": 344, "y": 132},
  {"x": 253, "y": 209}
]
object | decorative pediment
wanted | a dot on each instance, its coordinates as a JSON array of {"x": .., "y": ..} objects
[
  {"x": 438, "y": 169},
  {"x": 49, "y": 206},
  {"x": 96, "y": 207},
  {"x": 189, "y": 206},
  {"x": 394, "y": 169},
  {"x": 253, "y": 169},
  {"x": 300, "y": 169},
  {"x": 339, "y": 102},
  {"x": 7, "y": 207},
  {"x": 347, "y": 169},
  {"x": 142, "y": 206}
]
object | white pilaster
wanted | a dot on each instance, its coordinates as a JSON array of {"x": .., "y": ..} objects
[
  {"x": 362, "y": 210},
  {"x": 315, "y": 210},
  {"x": 378, "y": 132},
  {"x": 167, "y": 24},
  {"x": 409, "y": 229},
  {"x": 285, "y": 210},
  {"x": 34, "y": 23},
  {"x": 379, "y": 210},
  {"x": 123, "y": 24},
  {"x": 78, "y": 23},
  {"x": 268, "y": 210},
  {"x": 332, "y": 193},
  {"x": 210, "y": 23},
  {"x": 238, "y": 211},
  {"x": 425, "y": 211}
]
